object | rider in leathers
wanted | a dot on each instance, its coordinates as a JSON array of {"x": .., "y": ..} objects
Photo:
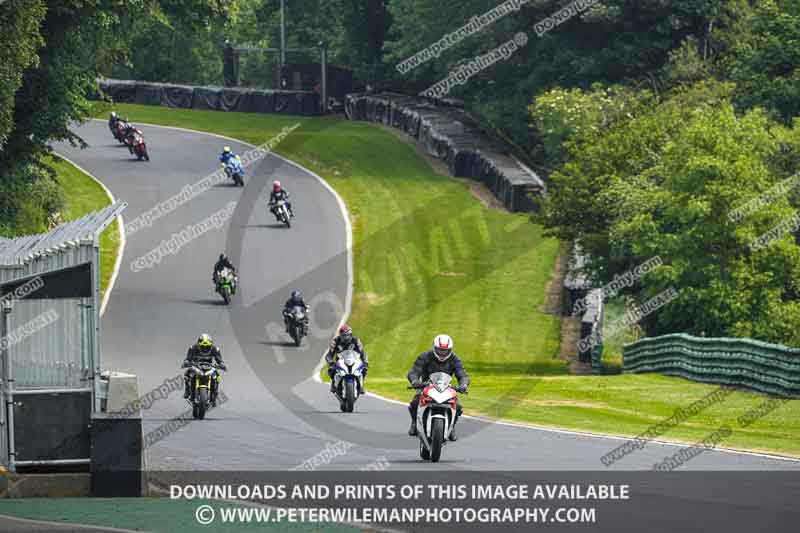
[
  {"x": 439, "y": 359},
  {"x": 203, "y": 351},
  {"x": 296, "y": 299},
  {"x": 345, "y": 341},
  {"x": 222, "y": 262},
  {"x": 279, "y": 193}
]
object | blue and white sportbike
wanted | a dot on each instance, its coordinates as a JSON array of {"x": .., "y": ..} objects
[
  {"x": 348, "y": 379},
  {"x": 235, "y": 170}
]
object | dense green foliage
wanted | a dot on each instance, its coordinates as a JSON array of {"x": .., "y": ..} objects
[
  {"x": 765, "y": 63},
  {"x": 641, "y": 173},
  {"x": 51, "y": 54}
]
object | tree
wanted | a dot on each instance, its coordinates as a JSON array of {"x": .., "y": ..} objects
[
  {"x": 663, "y": 183},
  {"x": 64, "y": 46},
  {"x": 20, "y": 26},
  {"x": 765, "y": 62}
]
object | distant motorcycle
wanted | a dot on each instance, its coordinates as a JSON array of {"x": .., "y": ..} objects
[
  {"x": 205, "y": 387},
  {"x": 120, "y": 131},
  {"x": 130, "y": 134},
  {"x": 298, "y": 324},
  {"x": 139, "y": 146},
  {"x": 226, "y": 284},
  {"x": 348, "y": 378},
  {"x": 281, "y": 212},
  {"x": 234, "y": 170},
  {"x": 435, "y": 415}
]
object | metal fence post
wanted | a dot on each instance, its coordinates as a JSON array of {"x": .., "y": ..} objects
[
  {"x": 95, "y": 348},
  {"x": 8, "y": 396}
]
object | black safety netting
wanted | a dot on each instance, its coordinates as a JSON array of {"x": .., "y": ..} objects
[
  {"x": 214, "y": 98},
  {"x": 449, "y": 133}
]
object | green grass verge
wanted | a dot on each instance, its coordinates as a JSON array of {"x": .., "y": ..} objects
[
  {"x": 156, "y": 515},
  {"x": 485, "y": 292},
  {"x": 82, "y": 196}
]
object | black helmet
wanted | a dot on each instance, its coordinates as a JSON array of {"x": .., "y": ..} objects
[
  {"x": 296, "y": 295},
  {"x": 222, "y": 257}
]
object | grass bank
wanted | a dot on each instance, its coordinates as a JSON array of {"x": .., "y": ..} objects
[
  {"x": 430, "y": 258},
  {"x": 82, "y": 196}
]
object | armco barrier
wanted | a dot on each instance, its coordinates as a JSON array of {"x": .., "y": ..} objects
[
  {"x": 449, "y": 133},
  {"x": 215, "y": 98},
  {"x": 768, "y": 368}
]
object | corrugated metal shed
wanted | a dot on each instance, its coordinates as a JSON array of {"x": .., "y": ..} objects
[
  {"x": 85, "y": 230},
  {"x": 50, "y": 337}
]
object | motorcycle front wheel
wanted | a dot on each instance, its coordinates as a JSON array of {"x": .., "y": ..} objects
[
  {"x": 437, "y": 439},
  {"x": 202, "y": 403},
  {"x": 296, "y": 335},
  {"x": 349, "y": 396}
]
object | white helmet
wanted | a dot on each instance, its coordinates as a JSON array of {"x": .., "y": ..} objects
[
  {"x": 443, "y": 347},
  {"x": 113, "y": 114}
]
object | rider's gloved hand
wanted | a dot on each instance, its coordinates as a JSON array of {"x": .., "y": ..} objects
[
  {"x": 223, "y": 367},
  {"x": 461, "y": 388}
]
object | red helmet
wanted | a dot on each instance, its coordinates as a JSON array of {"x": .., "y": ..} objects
[
  {"x": 346, "y": 332},
  {"x": 443, "y": 347},
  {"x": 276, "y": 185}
]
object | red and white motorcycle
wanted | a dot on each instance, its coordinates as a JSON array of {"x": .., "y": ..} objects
[
  {"x": 435, "y": 415},
  {"x": 139, "y": 147}
]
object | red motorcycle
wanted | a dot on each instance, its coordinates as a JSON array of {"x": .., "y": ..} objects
[
  {"x": 119, "y": 131},
  {"x": 139, "y": 147}
]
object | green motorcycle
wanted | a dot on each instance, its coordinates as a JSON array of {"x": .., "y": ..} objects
[{"x": 226, "y": 284}]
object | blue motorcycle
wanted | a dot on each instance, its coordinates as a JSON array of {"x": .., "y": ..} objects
[{"x": 235, "y": 170}]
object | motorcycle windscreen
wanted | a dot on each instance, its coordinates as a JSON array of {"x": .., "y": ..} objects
[
  {"x": 440, "y": 381},
  {"x": 349, "y": 357}
]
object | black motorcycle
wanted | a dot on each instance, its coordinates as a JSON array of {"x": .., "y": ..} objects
[
  {"x": 298, "y": 323},
  {"x": 205, "y": 386}
]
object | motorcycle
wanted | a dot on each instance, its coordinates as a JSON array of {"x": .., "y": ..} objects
[
  {"x": 281, "y": 213},
  {"x": 233, "y": 169},
  {"x": 139, "y": 147},
  {"x": 120, "y": 130},
  {"x": 298, "y": 324},
  {"x": 348, "y": 379},
  {"x": 435, "y": 415},
  {"x": 205, "y": 386},
  {"x": 130, "y": 135},
  {"x": 226, "y": 284}
]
